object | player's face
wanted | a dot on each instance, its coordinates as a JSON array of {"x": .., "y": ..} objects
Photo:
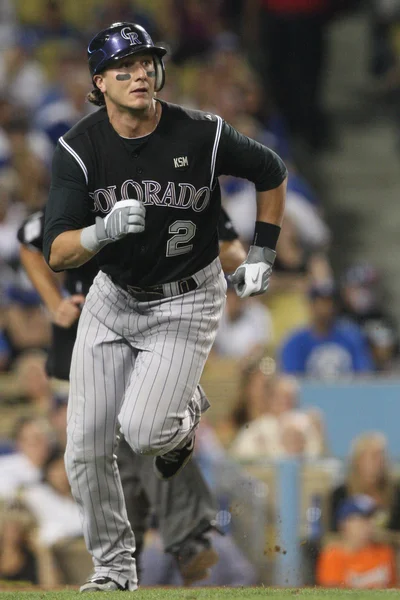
[{"x": 130, "y": 83}]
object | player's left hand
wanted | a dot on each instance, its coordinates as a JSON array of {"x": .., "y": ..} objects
[{"x": 253, "y": 275}]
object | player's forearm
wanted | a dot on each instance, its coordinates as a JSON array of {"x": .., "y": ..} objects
[
  {"x": 271, "y": 205},
  {"x": 75, "y": 247},
  {"x": 67, "y": 251},
  {"x": 253, "y": 276},
  {"x": 43, "y": 280},
  {"x": 231, "y": 255}
]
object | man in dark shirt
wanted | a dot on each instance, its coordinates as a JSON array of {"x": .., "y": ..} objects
[{"x": 136, "y": 184}]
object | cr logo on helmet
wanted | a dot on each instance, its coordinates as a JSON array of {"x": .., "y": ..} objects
[{"x": 130, "y": 35}]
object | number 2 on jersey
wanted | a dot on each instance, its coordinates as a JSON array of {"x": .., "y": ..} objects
[{"x": 184, "y": 232}]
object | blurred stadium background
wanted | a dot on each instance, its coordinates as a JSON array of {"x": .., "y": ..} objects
[{"x": 304, "y": 382}]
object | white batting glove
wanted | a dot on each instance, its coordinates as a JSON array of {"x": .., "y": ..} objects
[
  {"x": 252, "y": 277},
  {"x": 126, "y": 216}
]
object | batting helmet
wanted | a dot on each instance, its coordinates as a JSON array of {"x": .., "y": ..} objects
[{"x": 120, "y": 40}]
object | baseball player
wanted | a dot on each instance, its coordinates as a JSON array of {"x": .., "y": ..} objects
[
  {"x": 184, "y": 505},
  {"x": 136, "y": 184}
]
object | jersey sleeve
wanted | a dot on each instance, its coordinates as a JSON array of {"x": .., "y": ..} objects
[
  {"x": 69, "y": 204},
  {"x": 243, "y": 157},
  {"x": 226, "y": 230},
  {"x": 30, "y": 233}
]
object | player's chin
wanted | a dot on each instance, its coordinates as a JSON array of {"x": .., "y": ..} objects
[{"x": 140, "y": 101}]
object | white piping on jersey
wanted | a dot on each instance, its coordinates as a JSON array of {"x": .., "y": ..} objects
[
  {"x": 77, "y": 158},
  {"x": 215, "y": 149}
]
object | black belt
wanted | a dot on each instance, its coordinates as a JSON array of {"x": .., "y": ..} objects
[{"x": 156, "y": 292}]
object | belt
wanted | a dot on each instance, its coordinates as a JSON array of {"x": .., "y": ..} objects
[{"x": 156, "y": 292}]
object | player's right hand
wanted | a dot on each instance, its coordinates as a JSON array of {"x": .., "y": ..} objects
[
  {"x": 252, "y": 277},
  {"x": 126, "y": 216},
  {"x": 68, "y": 311}
]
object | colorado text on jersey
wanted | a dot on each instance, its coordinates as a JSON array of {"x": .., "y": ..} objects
[{"x": 181, "y": 195}]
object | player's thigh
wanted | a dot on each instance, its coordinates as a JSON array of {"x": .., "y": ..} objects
[
  {"x": 162, "y": 385},
  {"x": 100, "y": 370},
  {"x": 164, "y": 379}
]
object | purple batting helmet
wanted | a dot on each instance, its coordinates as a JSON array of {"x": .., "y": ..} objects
[{"x": 120, "y": 40}]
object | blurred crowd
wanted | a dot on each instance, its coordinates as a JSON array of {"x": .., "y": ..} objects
[{"x": 260, "y": 65}]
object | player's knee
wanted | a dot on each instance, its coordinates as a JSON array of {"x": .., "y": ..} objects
[
  {"x": 152, "y": 440},
  {"x": 141, "y": 442}
]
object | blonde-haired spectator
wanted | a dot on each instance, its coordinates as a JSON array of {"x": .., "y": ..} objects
[
  {"x": 356, "y": 560},
  {"x": 370, "y": 472}
]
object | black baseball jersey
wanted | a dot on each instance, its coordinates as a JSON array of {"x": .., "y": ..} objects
[{"x": 173, "y": 171}]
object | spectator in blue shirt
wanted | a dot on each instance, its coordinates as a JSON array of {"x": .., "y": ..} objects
[{"x": 327, "y": 348}]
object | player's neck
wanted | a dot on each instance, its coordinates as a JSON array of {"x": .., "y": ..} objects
[{"x": 133, "y": 124}]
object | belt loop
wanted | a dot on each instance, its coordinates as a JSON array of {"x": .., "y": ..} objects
[{"x": 183, "y": 286}]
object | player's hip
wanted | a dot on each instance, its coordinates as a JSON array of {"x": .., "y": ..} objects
[
  {"x": 197, "y": 309},
  {"x": 136, "y": 298}
]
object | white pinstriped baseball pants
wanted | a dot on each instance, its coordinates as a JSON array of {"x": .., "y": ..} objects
[{"x": 135, "y": 365}]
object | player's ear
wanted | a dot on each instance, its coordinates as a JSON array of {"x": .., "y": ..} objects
[{"x": 99, "y": 82}]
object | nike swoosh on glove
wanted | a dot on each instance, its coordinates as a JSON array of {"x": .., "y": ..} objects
[
  {"x": 252, "y": 277},
  {"x": 126, "y": 216}
]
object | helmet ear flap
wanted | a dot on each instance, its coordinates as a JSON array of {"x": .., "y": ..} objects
[{"x": 160, "y": 73}]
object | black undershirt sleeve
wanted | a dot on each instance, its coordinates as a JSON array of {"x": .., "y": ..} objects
[
  {"x": 243, "y": 157},
  {"x": 69, "y": 204}
]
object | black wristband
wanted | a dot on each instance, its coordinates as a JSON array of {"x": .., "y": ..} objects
[{"x": 266, "y": 235}]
